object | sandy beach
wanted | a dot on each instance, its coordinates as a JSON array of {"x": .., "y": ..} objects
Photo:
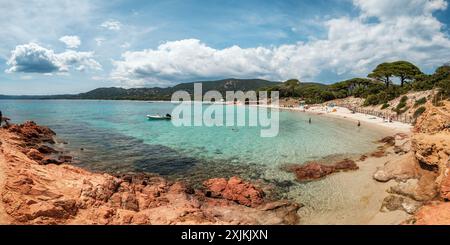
[
  {"x": 344, "y": 113},
  {"x": 352, "y": 198}
]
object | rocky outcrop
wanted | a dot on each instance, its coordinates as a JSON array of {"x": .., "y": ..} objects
[
  {"x": 314, "y": 170},
  {"x": 435, "y": 119},
  {"x": 414, "y": 182},
  {"x": 436, "y": 213},
  {"x": 34, "y": 141},
  {"x": 403, "y": 168},
  {"x": 431, "y": 146},
  {"x": 422, "y": 171},
  {"x": 235, "y": 189},
  {"x": 33, "y": 133},
  {"x": 34, "y": 193}
]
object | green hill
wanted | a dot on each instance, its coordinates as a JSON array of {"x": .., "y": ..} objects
[{"x": 156, "y": 93}]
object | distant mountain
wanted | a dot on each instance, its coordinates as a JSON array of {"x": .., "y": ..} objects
[{"x": 156, "y": 93}]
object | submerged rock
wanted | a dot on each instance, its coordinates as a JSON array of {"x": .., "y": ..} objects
[
  {"x": 388, "y": 140},
  {"x": 314, "y": 170},
  {"x": 378, "y": 154}
]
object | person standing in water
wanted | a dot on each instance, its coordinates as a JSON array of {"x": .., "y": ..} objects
[{"x": 309, "y": 120}]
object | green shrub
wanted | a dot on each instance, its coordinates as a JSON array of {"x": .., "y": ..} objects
[
  {"x": 420, "y": 102},
  {"x": 384, "y": 106},
  {"x": 404, "y": 99},
  {"x": 371, "y": 100},
  {"x": 400, "y": 111},
  {"x": 444, "y": 88},
  {"x": 419, "y": 112},
  {"x": 402, "y": 103}
]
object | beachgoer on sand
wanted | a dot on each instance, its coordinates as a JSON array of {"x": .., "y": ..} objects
[{"x": 359, "y": 124}]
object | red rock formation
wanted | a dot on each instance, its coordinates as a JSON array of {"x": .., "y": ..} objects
[
  {"x": 431, "y": 145},
  {"x": 235, "y": 189},
  {"x": 314, "y": 170},
  {"x": 64, "y": 194},
  {"x": 437, "y": 213},
  {"x": 30, "y": 131}
]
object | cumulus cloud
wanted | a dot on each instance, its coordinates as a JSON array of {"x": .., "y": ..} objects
[
  {"x": 33, "y": 58},
  {"x": 71, "y": 41},
  {"x": 389, "y": 9},
  {"x": 353, "y": 47},
  {"x": 113, "y": 25}
]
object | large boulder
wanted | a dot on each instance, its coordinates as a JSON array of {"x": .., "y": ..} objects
[
  {"x": 235, "y": 189},
  {"x": 406, "y": 167}
]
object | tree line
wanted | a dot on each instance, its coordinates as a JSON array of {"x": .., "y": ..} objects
[{"x": 387, "y": 81}]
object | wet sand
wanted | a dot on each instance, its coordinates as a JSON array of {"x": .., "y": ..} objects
[{"x": 348, "y": 198}]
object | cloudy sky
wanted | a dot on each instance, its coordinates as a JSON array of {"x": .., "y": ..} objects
[{"x": 62, "y": 46}]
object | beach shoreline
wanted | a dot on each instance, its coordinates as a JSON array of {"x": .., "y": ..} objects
[{"x": 346, "y": 114}]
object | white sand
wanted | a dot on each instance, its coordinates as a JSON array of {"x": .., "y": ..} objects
[
  {"x": 344, "y": 113},
  {"x": 348, "y": 198}
]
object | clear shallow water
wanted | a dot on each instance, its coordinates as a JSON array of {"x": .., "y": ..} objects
[{"x": 117, "y": 137}]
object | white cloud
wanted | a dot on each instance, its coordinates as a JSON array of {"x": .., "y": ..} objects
[
  {"x": 353, "y": 47},
  {"x": 391, "y": 9},
  {"x": 125, "y": 45},
  {"x": 99, "y": 41},
  {"x": 43, "y": 21},
  {"x": 33, "y": 58},
  {"x": 113, "y": 25},
  {"x": 71, "y": 41}
]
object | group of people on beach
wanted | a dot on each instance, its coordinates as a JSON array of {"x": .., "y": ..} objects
[{"x": 389, "y": 119}]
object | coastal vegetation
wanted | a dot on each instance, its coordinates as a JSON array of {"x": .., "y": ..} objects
[{"x": 385, "y": 83}]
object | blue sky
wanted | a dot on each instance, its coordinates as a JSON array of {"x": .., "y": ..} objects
[{"x": 61, "y": 46}]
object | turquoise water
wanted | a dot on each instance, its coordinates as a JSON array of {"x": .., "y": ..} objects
[{"x": 117, "y": 137}]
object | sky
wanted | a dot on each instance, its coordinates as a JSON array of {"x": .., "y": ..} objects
[{"x": 62, "y": 46}]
